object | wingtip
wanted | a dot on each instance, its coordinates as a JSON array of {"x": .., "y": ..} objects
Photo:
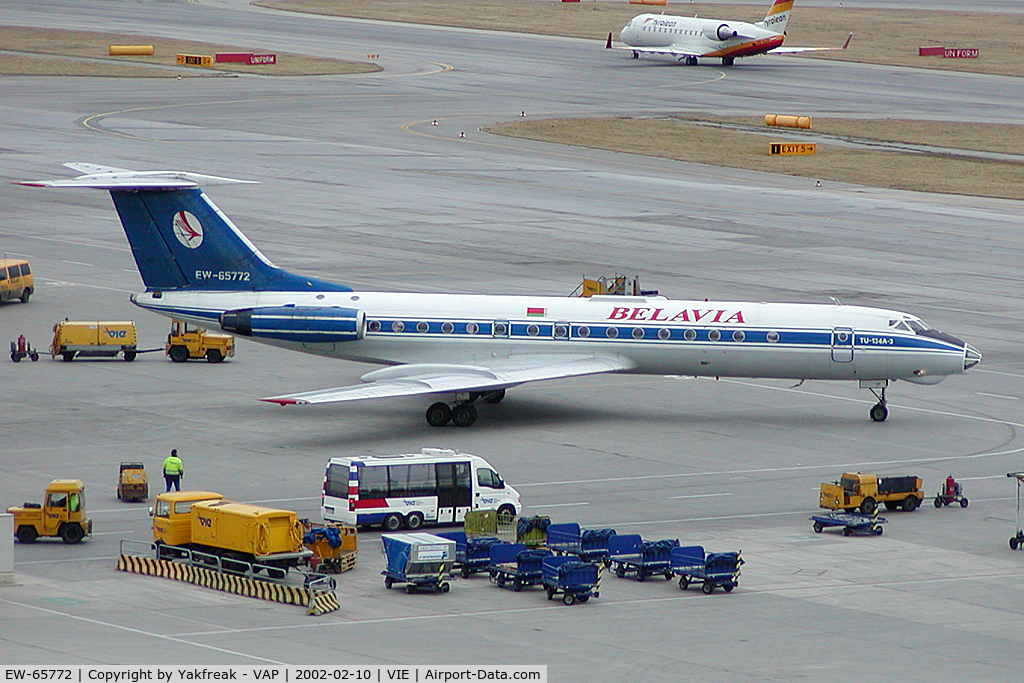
[
  {"x": 283, "y": 401},
  {"x": 848, "y": 39}
]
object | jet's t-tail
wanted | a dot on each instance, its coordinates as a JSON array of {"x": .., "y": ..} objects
[{"x": 180, "y": 239}]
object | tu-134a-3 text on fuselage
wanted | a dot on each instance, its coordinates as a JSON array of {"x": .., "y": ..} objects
[
  {"x": 197, "y": 266},
  {"x": 690, "y": 39}
]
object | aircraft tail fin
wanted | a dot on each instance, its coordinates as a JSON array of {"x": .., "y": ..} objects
[
  {"x": 778, "y": 16},
  {"x": 179, "y": 238}
]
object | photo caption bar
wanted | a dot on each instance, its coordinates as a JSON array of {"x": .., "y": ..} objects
[{"x": 275, "y": 674}]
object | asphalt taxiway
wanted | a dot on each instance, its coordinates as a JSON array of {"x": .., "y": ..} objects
[{"x": 358, "y": 186}]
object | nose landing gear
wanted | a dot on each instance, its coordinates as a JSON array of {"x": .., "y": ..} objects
[{"x": 879, "y": 411}]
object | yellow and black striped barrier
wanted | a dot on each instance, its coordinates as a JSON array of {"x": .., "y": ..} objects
[{"x": 317, "y": 602}]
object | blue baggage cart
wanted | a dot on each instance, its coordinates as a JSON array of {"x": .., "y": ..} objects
[
  {"x": 421, "y": 561},
  {"x": 852, "y": 522},
  {"x": 630, "y": 555},
  {"x": 714, "y": 570},
  {"x": 472, "y": 554},
  {"x": 589, "y": 544},
  {"x": 516, "y": 565},
  {"x": 569, "y": 576}
]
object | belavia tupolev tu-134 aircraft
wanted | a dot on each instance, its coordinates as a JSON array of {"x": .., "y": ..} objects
[
  {"x": 199, "y": 267},
  {"x": 690, "y": 39}
]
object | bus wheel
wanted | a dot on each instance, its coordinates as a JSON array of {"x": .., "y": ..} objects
[
  {"x": 392, "y": 522},
  {"x": 414, "y": 521}
]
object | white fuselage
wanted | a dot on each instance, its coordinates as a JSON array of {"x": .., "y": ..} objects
[
  {"x": 700, "y": 37},
  {"x": 659, "y": 336}
]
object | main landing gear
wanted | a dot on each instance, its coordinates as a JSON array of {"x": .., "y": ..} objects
[{"x": 462, "y": 413}]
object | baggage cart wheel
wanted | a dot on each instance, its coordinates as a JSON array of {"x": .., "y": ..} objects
[
  {"x": 708, "y": 588},
  {"x": 550, "y": 591},
  {"x": 847, "y": 531},
  {"x": 516, "y": 586},
  {"x": 641, "y": 575},
  {"x": 444, "y": 587},
  {"x": 1014, "y": 542},
  {"x": 388, "y": 582},
  {"x": 684, "y": 582},
  {"x": 569, "y": 599},
  {"x": 409, "y": 588},
  {"x": 938, "y": 501},
  {"x": 818, "y": 527},
  {"x": 878, "y": 530},
  {"x": 465, "y": 572},
  {"x": 963, "y": 502},
  {"x": 668, "y": 576},
  {"x": 500, "y": 580},
  {"x": 34, "y": 356},
  {"x": 620, "y": 572},
  {"x": 728, "y": 587},
  {"x": 582, "y": 598}
]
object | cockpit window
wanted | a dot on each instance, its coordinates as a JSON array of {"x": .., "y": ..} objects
[
  {"x": 899, "y": 325},
  {"x": 917, "y": 326}
]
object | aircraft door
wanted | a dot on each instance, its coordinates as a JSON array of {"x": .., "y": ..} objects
[
  {"x": 454, "y": 491},
  {"x": 842, "y": 344}
]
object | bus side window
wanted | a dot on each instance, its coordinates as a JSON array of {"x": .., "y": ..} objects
[{"x": 373, "y": 482}]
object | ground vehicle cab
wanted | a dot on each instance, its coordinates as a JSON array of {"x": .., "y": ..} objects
[
  {"x": 186, "y": 341},
  {"x": 61, "y": 514},
  {"x": 16, "y": 281}
]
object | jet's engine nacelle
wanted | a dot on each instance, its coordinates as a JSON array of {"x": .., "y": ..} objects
[
  {"x": 307, "y": 324},
  {"x": 723, "y": 32}
]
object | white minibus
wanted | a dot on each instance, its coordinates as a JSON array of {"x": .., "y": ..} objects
[{"x": 437, "y": 485}]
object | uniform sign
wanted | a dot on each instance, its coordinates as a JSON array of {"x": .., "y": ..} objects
[
  {"x": 961, "y": 53},
  {"x": 791, "y": 148}
]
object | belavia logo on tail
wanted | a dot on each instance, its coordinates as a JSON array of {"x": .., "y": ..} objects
[{"x": 188, "y": 229}]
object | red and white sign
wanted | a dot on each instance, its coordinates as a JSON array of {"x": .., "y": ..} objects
[{"x": 262, "y": 59}]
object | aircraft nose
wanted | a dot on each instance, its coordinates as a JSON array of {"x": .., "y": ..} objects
[{"x": 971, "y": 356}]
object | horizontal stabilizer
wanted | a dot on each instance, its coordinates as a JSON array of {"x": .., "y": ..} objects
[{"x": 111, "y": 178}]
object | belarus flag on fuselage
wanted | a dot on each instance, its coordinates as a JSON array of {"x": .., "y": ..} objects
[{"x": 532, "y": 312}]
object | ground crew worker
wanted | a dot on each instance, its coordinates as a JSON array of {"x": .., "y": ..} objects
[{"x": 173, "y": 469}]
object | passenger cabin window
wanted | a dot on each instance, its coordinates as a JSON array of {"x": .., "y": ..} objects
[
  {"x": 488, "y": 478},
  {"x": 14, "y": 271},
  {"x": 25, "y": 270}
]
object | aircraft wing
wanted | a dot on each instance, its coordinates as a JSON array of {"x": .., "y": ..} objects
[
  {"x": 430, "y": 378},
  {"x": 672, "y": 52},
  {"x": 796, "y": 50}
]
